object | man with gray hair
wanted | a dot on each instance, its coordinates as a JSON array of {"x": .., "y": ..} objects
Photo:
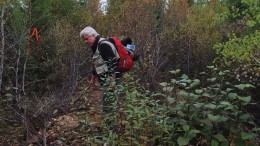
[
  {"x": 104, "y": 56},
  {"x": 105, "y": 59}
]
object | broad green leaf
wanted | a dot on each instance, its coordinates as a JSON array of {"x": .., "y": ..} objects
[
  {"x": 226, "y": 103},
  {"x": 175, "y": 71},
  {"x": 232, "y": 107},
  {"x": 174, "y": 81},
  {"x": 183, "y": 140},
  {"x": 213, "y": 79},
  {"x": 195, "y": 83},
  {"x": 217, "y": 118},
  {"x": 191, "y": 135},
  {"x": 223, "y": 119},
  {"x": 184, "y": 93},
  {"x": 186, "y": 80},
  {"x": 221, "y": 73},
  {"x": 168, "y": 89},
  {"x": 203, "y": 73},
  {"x": 246, "y": 136},
  {"x": 198, "y": 91},
  {"x": 232, "y": 96},
  {"x": 194, "y": 131},
  {"x": 193, "y": 96},
  {"x": 171, "y": 100},
  {"x": 251, "y": 23},
  {"x": 198, "y": 105},
  {"x": 184, "y": 76},
  {"x": 186, "y": 128},
  {"x": 245, "y": 99},
  {"x": 210, "y": 67},
  {"x": 223, "y": 92},
  {"x": 183, "y": 84},
  {"x": 163, "y": 84},
  {"x": 227, "y": 83},
  {"x": 210, "y": 106},
  {"x": 214, "y": 142},
  {"x": 213, "y": 118},
  {"x": 206, "y": 95},
  {"x": 256, "y": 129},
  {"x": 229, "y": 89},
  {"x": 220, "y": 137},
  {"x": 249, "y": 86},
  {"x": 244, "y": 117},
  {"x": 243, "y": 86},
  {"x": 240, "y": 86}
]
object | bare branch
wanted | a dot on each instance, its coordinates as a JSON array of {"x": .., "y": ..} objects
[
  {"x": 3, "y": 45},
  {"x": 256, "y": 60}
]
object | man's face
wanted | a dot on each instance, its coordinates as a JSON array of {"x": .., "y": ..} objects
[{"x": 89, "y": 40}]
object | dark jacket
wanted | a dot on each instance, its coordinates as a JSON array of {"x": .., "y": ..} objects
[{"x": 107, "y": 54}]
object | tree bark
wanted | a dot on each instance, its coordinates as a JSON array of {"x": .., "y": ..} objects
[{"x": 3, "y": 46}]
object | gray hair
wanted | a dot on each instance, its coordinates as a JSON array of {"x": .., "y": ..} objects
[{"x": 89, "y": 31}]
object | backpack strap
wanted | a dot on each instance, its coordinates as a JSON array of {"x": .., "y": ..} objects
[{"x": 108, "y": 42}]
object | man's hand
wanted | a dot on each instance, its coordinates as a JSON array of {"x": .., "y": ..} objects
[
  {"x": 92, "y": 81},
  {"x": 113, "y": 82}
]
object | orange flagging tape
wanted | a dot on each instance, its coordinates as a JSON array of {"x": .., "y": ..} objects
[{"x": 34, "y": 32}]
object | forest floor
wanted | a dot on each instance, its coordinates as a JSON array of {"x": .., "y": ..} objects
[{"x": 79, "y": 126}]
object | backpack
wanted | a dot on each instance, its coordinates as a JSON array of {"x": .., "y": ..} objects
[
  {"x": 125, "y": 62},
  {"x": 130, "y": 47}
]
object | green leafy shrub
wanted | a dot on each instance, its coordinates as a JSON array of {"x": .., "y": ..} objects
[
  {"x": 241, "y": 53},
  {"x": 186, "y": 112}
]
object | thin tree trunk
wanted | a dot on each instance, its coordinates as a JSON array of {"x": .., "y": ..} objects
[
  {"x": 3, "y": 46},
  {"x": 24, "y": 71},
  {"x": 189, "y": 54},
  {"x": 16, "y": 73},
  {"x": 26, "y": 57}
]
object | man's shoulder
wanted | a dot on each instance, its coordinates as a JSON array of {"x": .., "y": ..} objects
[{"x": 105, "y": 43}]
